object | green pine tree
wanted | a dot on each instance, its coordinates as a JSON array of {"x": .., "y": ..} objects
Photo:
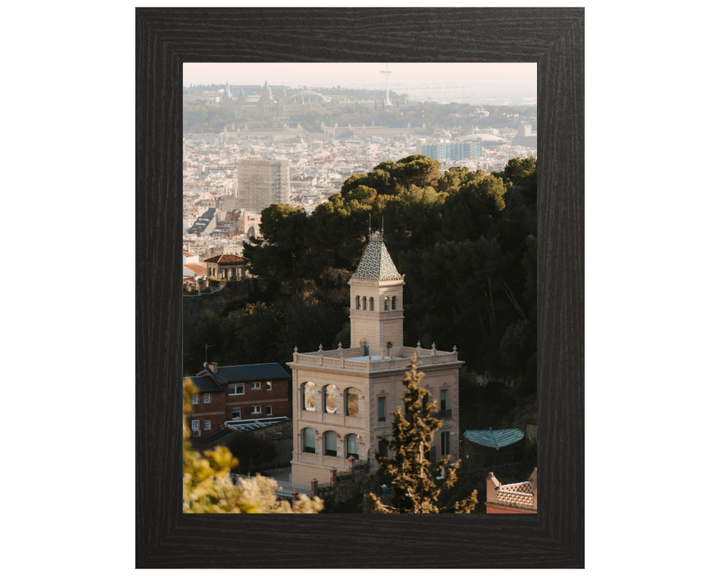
[{"x": 412, "y": 474}]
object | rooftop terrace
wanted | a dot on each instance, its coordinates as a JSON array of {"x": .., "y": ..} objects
[{"x": 356, "y": 358}]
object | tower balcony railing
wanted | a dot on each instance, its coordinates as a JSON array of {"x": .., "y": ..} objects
[{"x": 357, "y": 359}]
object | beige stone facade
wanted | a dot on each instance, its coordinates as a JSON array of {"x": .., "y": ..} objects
[
  {"x": 337, "y": 394},
  {"x": 368, "y": 317}
]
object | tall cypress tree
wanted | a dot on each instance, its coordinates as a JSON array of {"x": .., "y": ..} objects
[{"x": 411, "y": 472}]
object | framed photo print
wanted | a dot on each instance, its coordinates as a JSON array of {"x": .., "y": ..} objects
[{"x": 360, "y": 324}]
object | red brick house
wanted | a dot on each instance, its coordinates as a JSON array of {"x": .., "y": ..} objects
[{"x": 248, "y": 393}]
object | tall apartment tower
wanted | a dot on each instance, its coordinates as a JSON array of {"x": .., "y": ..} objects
[
  {"x": 344, "y": 399},
  {"x": 261, "y": 183}
]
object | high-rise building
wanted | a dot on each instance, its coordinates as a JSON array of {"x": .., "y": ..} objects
[
  {"x": 344, "y": 399},
  {"x": 261, "y": 183},
  {"x": 452, "y": 150},
  {"x": 526, "y": 136}
]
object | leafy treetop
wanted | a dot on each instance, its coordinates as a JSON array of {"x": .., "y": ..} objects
[{"x": 411, "y": 472}]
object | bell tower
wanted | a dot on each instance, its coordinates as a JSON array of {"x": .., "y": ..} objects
[{"x": 376, "y": 300}]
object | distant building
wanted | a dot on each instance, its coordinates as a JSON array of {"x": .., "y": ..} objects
[
  {"x": 309, "y": 96},
  {"x": 205, "y": 223},
  {"x": 517, "y": 498},
  {"x": 526, "y": 136},
  {"x": 226, "y": 267},
  {"x": 452, "y": 150},
  {"x": 227, "y": 95},
  {"x": 261, "y": 183},
  {"x": 230, "y": 395},
  {"x": 191, "y": 265},
  {"x": 249, "y": 224},
  {"x": 266, "y": 93},
  {"x": 488, "y": 140}
]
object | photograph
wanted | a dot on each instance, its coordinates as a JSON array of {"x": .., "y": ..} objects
[{"x": 359, "y": 290}]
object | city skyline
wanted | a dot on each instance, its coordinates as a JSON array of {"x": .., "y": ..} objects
[{"x": 481, "y": 76}]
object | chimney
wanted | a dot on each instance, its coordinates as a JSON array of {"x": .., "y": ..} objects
[{"x": 213, "y": 367}]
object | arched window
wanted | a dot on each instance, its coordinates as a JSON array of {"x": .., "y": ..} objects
[
  {"x": 330, "y": 443},
  {"x": 372, "y": 303},
  {"x": 308, "y": 396},
  {"x": 308, "y": 440},
  {"x": 357, "y": 302},
  {"x": 364, "y": 302},
  {"x": 387, "y": 303},
  {"x": 393, "y": 302},
  {"x": 352, "y": 396},
  {"x": 330, "y": 399},
  {"x": 352, "y": 446}
]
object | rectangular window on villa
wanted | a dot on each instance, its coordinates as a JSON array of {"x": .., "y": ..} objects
[
  {"x": 269, "y": 385},
  {"x": 383, "y": 447},
  {"x": 195, "y": 399},
  {"x": 207, "y": 424},
  {"x": 444, "y": 443},
  {"x": 207, "y": 398},
  {"x": 236, "y": 412},
  {"x": 196, "y": 424},
  {"x": 269, "y": 410},
  {"x": 236, "y": 389},
  {"x": 443, "y": 399},
  {"x": 256, "y": 386},
  {"x": 255, "y": 410},
  {"x": 381, "y": 409}
]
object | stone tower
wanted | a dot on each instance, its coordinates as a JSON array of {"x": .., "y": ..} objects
[
  {"x": 344, "y": 399},
  {"x": 376, "y": 299}
]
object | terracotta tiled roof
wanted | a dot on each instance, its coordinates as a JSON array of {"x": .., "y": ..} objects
[
  {"x": 197, "y": 268},
  {"x": 188, "y": 254},
  {"x": 226, "y": 259}
]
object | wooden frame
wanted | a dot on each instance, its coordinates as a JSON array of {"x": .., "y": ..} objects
[{"x": 165, "y": 38}]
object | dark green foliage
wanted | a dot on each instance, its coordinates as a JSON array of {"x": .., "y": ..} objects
[
  {"x": 391, "y": 178},
  {"x": 199, "y": 118},
  {"x": 475, "y": 480},
  {"x": 253, "y": 452},
  {"x": 254, "y": 332},
  {"x": 203, "y": 328},
  {"x": 466, "y": 242},
  {"x": 284, "y": 254},
  {"x": 411, "y": 473}
]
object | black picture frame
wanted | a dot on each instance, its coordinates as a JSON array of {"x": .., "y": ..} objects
[{"x": 552, "y": 37}]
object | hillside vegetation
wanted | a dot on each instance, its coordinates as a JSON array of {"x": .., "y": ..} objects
[{"x": 466, "y": 242}]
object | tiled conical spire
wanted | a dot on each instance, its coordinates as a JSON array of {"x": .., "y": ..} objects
[{"x": 376, "y": 263}]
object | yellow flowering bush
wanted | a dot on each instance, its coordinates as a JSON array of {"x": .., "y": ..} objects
[{"x": 208, "y": 487}]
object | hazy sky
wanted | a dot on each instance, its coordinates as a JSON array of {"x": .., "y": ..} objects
[{"x": 482, "y": 76}]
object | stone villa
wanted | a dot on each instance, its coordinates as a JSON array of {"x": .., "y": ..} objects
[{"x": 344, "y": 399}]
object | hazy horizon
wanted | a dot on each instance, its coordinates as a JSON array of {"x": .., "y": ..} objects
[{"x": 478, "y": 76}]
